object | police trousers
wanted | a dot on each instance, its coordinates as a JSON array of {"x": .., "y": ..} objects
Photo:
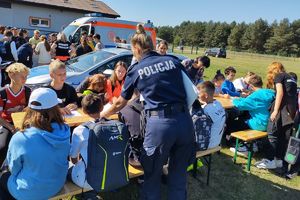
[{"x": 172, "y": 137}]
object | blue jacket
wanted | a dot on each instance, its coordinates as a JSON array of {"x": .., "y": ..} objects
[
  {"x": 228, "y": 88},
  {"x": 25, "y": 54},
  {"x": 258, "y": 104},
  {"x": 38, "y": 162}
]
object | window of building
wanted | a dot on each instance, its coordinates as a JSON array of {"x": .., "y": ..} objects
[
  {"x": 5, "y": 4},
  {"x": 39, "y": 22}
]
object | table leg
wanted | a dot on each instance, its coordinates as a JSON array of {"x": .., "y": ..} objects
[
  {"x": 250, "y": 152},
  {"x": 236, "y": 149}
]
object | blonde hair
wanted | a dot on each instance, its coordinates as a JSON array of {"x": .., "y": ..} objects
[
  {"x": 273, "y": 69},
  {"x": 141, "y": 39},
  {"x": 248, "y": 74},
  {"x": 97, "y": 79},
  {"x": 17, "y": 67},
  {"x": 55, "y": 65},
  {"x": 62, "y": 37}
]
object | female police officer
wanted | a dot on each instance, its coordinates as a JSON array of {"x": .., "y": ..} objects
[{"x": 169, "y": 129}]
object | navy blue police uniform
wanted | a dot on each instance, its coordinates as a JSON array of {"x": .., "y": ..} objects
[{"x": 169, "y": 129}]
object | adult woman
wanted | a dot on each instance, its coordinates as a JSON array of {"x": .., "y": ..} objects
[
  {"x": 83, "y": 48},
  {"x": 43, "y": 49},
  {"x": 61, "y": 47},
  {"x": 37, "y": 155},
  {"x": 115, "y": 82},
  {"x": 169, "y": 128},
  {"x": 162, "y": 47},
  {"x": 282, "y": 116}
]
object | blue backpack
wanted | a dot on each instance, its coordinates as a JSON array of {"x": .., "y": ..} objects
[{"x": 107, "y": 166}]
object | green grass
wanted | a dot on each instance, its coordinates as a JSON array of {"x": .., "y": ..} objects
[
  {"x": 244, "y": 62},
  {"x": 229, "y": 181}
]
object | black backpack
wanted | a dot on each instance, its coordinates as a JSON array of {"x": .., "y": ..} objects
[
  {"x": 202, "y": 125},
  {"x": 107, "y": 166}
]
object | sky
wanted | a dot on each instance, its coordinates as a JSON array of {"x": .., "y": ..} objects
[{"x": 173, "y": 12}]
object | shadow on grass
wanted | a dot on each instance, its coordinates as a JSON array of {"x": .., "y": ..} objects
[{"x": 227, "y": 181}]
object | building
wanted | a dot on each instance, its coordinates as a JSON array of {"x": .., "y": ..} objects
[{"x": 49, "y": 15}]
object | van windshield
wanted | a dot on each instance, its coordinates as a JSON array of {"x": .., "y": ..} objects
[
  {"x": 69, "y": 30},
  {"x": 87, "y": 61}
]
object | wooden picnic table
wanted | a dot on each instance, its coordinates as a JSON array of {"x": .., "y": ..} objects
[
  {"x": 71, "y": 121},
  {"x": 226, "y": 103}
]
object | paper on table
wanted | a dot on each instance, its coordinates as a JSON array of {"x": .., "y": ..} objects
[
  {"x": 106, "y": 106},
  {"x": 74, "y": 113}
]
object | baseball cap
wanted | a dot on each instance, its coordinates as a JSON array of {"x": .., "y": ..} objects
[
  {"x": 14, "y": 28},
  {"x": 43, "y": 98}
]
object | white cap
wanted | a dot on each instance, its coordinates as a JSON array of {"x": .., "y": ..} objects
[{"x": 43, "y": 98}]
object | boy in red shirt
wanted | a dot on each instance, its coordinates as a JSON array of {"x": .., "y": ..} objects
[{"x": 13, "y": 98}]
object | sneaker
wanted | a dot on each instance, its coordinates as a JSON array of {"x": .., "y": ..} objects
[
  {"x": 291, "y": 175},
  {"x": 267, "y": 164},
  {"x": 261, "y": 161},
  {"x": 240, "y": 153},
  {"x": 279, "y": 163}
]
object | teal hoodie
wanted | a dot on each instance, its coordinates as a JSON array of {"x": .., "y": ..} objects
[
  {"x": 38, "y": 162},
  {"x": 258, "y": 104}
]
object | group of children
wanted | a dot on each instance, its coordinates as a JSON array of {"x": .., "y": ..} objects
[{"x": 272, "y": 109}]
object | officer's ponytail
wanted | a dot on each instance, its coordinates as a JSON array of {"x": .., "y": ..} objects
[{"x": 141, "y": 39}]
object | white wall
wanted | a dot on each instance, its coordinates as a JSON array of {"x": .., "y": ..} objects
[{"x": 19, "y": 15}]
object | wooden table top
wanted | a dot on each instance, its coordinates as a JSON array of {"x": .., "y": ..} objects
[
  {"x": 226, "y": 103},
  {"x": 71, "y": 121},
  {"x": 249, "y": 135}
]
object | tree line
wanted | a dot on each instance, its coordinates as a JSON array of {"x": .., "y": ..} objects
[{"x": 278, "y": 38}]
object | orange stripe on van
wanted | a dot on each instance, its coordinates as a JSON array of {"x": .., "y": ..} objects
[{"x": 127, "y": 26}]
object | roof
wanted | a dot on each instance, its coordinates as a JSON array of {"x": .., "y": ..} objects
[{"x": 90, "y": 6}]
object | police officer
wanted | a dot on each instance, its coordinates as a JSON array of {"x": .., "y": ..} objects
[{"x": 169, "y": 128}]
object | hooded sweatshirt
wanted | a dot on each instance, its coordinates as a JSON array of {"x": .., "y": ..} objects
[
  {"x": 38, "y": 162},
  {"x": 258, "y": 104}
]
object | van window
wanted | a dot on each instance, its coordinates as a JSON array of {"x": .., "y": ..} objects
[{"x": 78, "y": 33}]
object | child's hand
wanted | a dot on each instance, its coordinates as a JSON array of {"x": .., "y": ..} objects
[
  {"x": 273, "y": 115},
  {"x": 71, "y": 106},
  {"x": 227, "y": 96},
  {"x": 16, "y": 109},
  {"x": 65, "y": 111}
]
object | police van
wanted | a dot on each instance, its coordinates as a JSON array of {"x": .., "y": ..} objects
[{"x": 107, "y": 28}]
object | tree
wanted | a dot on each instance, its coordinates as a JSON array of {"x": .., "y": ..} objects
[
  {"x": 256, "y": 36},
  {"x": 282, "y": 42},
  {"x": 234, "y": 39},
  {"x": 166, "y": 33},
  {"x": 220, "y": 35}
]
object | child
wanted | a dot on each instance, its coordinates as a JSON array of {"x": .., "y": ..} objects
[
  {"x": 96, "y": 84},
  {"x": 14, "y": 97},
  {"x": 65, "y": 92},
  {"x": 257, "y": 104},
  {"x": 162, "y": 47},
  {"x": 283, "y": 112},
  {"x": 196, "y": 70},
  {"x": 92, "y": 106},
  {"x": 218, "y": 81},
  {"x": 214, "y": 110},
  {"x": 227, "y": 86},
  {"x": 242, "y": 84},
  {"x": 37, "y": 155}
]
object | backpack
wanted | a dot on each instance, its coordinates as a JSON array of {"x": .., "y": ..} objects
[
  {"x": 202, "y": 125},
  {"x": 3, "y": 95},
  {"x": 107, "y": 166}
]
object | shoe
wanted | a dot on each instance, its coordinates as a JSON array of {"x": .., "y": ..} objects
[
  {"x": 267, "y": 164},
  {"x": 279, "y": 163},
  {"x": 240, "y": 153},
  {"x": 261, "y": 161},
  {"x": 291, "y": 175}
]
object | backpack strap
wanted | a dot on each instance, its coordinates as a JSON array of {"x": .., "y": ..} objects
[
  {"x": 3, "y": 96},
  {"x": 138, "y": 107},
  {"x": 27, "y": 93}
]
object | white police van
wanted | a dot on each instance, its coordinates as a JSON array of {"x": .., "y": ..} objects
[{"x": 107, "y": 28}]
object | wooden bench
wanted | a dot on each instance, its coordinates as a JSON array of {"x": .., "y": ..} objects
[
  {"x": 70, "y": 189},
  {"x": 248, "y": 136},
  {"x": 206, "y": 155}
]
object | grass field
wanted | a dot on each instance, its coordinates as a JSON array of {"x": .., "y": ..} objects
[
  {"x": 244, "y": 62},
  {"x": 229, "y": 181}
]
